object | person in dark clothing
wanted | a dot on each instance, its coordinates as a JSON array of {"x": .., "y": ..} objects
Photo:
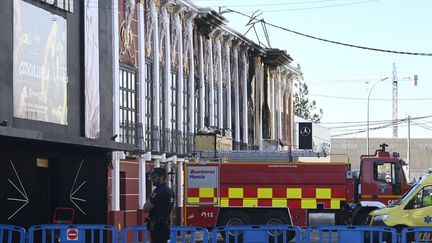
[{"x": 159, "y": 205}]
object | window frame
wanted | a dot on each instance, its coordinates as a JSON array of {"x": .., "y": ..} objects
[
  {"x": 149, "y": 105},
  {"x": 127, "y": 105}
]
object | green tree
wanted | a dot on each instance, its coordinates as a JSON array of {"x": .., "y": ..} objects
[{"x": 303, "y": 106}]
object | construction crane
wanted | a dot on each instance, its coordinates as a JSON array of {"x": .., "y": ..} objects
[{"x": 395, "y": 80}]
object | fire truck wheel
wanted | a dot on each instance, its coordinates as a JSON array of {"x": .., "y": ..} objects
[
  {"x": 278, "y": 218},
  {"x": 234, "y": 218},
  {"x": 361, "y": 217}
]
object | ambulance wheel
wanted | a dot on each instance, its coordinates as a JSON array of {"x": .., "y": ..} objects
[
  {"x": 410, "y": 237},
  {"x": 278, "y": 218},
  {"x": 234, "y": 218},
  {"x": 374, "y": 237}
]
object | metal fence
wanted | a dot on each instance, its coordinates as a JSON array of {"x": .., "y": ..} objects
[
  {"x": 12, "y": 234},
  {"x": 257, "y": 234},
  {"x": 189, "y": 234},
  {"x": 342, "y": 234},
  {"x": 419, "y": 234},
  {"x": 52, "y": 233},
  {"x": 134, "y": 234},
  {"x": 235, "y": 234}
]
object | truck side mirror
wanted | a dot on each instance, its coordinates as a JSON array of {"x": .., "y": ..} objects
[
  {"x": 398, "y": 174},
  {"x": 403, "y": 162},
  {"x": 397, "y": 188}
]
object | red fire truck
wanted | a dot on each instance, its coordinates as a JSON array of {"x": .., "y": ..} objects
[{"x": 270, "y": 187}]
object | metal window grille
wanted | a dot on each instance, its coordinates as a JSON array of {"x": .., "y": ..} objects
[
  {"x": 162, "y": 106},
  {"x": 207, "y": 104},
  {"x": 225, "y": 107},
  {"x": 216, "y": 108},
  {"x": 196, "y": 108},
  {"x": 127, "y": 106},
  {"x": 174, "y": 115},
  {"x": 186, "y": 94},
  {"x": 149, "y": 103}
]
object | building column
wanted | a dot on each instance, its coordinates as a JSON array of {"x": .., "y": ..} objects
[
  {"x": 219, "y": 80},
  {"x": 166, "y": 32},
  {"x": 189, "y": 49},
  {"x": 279, "y": 87},
  {"x": 142, "y": 107},
  {"x": 115, "y": 175},
  {"x": 285, "y": 126},
  {"x": 290, "y": 110},
  {"x": 202, "y": 83},
  {"x": 153, "y": 21},
  {"x": 178, "y": 32},
  {"x": 244, "y": 81},
  {"x": 236, "y": 94},
  {"x": 259, "y": 87},
  {"x": 272, "y": 104},
  {"x": 227, "y": 61},
  {"x": 210, "y": 76}
]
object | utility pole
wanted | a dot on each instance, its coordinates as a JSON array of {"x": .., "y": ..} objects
[
  {"x": 367, "y": 117},
  {"x": 409, "y": 146},
  {"x": 395, "y": 102}
]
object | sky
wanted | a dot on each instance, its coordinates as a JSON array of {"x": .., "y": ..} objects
[{"x": 340, "y": 77}]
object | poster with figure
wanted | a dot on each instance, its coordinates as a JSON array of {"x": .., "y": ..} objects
[
  {"x": 39, "y": 64},
  {"x": 92, "y": 95}
]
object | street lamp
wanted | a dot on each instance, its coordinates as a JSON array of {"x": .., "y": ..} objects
[{"x": 370, "y": 91}]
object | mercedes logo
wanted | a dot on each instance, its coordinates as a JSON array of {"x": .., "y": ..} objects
[{"x": 305, "y": 131}]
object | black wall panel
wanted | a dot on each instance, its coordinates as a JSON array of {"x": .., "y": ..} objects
[
  {"x": 6, "y": 57},
  {"x": 75, "y": 66},
  {"x": 74, "y": 178}
]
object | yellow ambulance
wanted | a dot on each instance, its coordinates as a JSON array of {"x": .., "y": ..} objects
[{"x": 414, "y": 209}]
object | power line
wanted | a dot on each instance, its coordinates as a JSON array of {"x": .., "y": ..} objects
[
  {"x": 276, "y": 4},
  {"x": 400, "y": 123},
  {"x": 358, "y": 131},
  {"x": 110, "y": 6},
  {"x": 422, "y": 125},
  {"x": 317, "y": 7},
  {"x": 346, "y": 122},
  {"x": 357, "y": 98},
  {"x": 333, "y": 42},
  {"x": 365, "y": 130},
  {"x": 292, "y": 3}
]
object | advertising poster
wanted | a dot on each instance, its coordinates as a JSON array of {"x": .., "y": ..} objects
[
  {"x": 92, "y": 95},
  {"x": 40, "y": 64}
]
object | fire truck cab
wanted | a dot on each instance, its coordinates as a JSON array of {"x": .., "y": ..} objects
[
  {"x": 273, "y": 187},
  {"x": 381, "y": 182}
]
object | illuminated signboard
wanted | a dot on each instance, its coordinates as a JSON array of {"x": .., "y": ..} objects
[{"x": 39, "y": 64}]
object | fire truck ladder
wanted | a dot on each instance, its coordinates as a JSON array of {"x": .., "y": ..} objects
[{"x": 256, "y": 155}]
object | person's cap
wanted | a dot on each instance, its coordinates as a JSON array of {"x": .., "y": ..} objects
[{"x": 158, "y": 172}]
